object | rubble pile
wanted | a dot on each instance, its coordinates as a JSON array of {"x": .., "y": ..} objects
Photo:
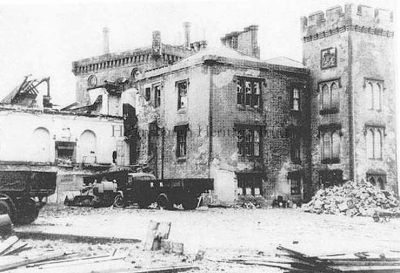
[{"x": 352, "y": 199}]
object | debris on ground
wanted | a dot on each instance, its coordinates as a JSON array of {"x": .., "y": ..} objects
[
  {"x": 53, "y": 256},
  {"x": 291, "y": 261},
  {"x": 352, "y": 199}
]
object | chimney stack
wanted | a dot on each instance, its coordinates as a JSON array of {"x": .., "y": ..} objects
[
  {"x": 106, "y": 41},
  {"x": 186, "y": 26}
]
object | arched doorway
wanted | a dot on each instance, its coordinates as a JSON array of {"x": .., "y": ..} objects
[{"x": 88, "y": 147}]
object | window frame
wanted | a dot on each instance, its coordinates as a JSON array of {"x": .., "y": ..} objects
[
  {"x": 246, "y": 143},
  {"x": 328, "y": 155},
  {"x": 375, "y": 98},
  {"x": 371, "y": 146},
  {"x": 328, "y": 103},
  {"x": 181, "y": 139},
  {"x": 157, "y": 96},
  {"x": 179, "y": 100},
  {"x": 248, "y": 96}
]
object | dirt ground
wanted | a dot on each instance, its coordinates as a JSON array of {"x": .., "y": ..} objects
[{"x": 221, "y": 233}]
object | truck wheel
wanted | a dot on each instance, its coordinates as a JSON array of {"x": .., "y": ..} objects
[
  {"x": 27, "y": 212},
  {"x": 7, "y": 206},
  {"x": 119, "y": 201},
  {"x": 163, "y": 201},
  {"x": 4, "y": 208},
  {"x": 189, "y": 202}
]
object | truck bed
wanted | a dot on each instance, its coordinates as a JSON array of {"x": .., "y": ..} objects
[{"x": 34, "y": 183}]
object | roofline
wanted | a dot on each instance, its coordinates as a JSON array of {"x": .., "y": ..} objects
[
  {"x": 48, "y": 111},
  {"x": 167, "y": 48},
  {"x": 208, "y": 59}
]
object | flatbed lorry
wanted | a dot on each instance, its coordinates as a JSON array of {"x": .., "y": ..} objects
[{"x": 123, "y": 188}]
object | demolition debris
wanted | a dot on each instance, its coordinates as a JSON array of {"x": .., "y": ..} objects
[{"x": 353, "y": 199}]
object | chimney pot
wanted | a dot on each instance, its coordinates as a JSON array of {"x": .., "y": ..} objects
[
  {"x": 106, "y": 41},
  {"x": 186, "y": 26}
]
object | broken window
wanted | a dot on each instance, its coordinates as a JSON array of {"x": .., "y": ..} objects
[
  {"x": 295, "y": 185},
  {"x": 248, "y": 92},
  {"x": 65, "y": 152},
  {"x": 181, "y": 140},
  {"x": 248, "y": 141},
  {"x": 147, "y": 94},
  {"x": 328, "y": 178},
  {"x": 330, "y": 147},
  {"x": 152, "y": 138},
  {"x": 182, "y": 94},
  {"x": 377, "y": 179},
  {"x": 249, "y": 183},
  {"x": 295, "y": 99},
  {"x": 240, "y": 92},
  {"x": 157, "y": 95}
]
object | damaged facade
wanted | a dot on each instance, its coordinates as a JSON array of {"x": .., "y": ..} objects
[
  {"x": 257, "y": 127},
  {"x": 40, "y": 137}
]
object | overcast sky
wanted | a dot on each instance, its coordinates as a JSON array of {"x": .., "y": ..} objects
[{"x": 43, "y": 38}]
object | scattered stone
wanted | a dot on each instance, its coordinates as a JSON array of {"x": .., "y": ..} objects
[{"x": 352, "y": 199}]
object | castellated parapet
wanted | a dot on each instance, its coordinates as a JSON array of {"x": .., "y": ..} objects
[{"x": 359, "y": 18}]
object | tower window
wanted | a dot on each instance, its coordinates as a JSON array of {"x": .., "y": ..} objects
[
  {"x": 330, "y": 151},
  {"x": 373, "y": 90},
  {"x": 374, "y": 141},
  {"x": 329, "y": 97}
]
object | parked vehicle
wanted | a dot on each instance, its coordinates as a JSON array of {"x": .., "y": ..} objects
[
  {"x": 23, "y": 193},
  {"x": 141, "y": 188}
]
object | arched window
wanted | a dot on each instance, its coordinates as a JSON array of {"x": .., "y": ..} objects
[
  {"x": 335, "y": 145},
  {"x": 326, "y": 144},
  {"x": 377, "y": 144},
  {"x": 370, "y": 95},
  {"x": 40, "y": 143},
  {"x": 325, "y": 99},
  {"x": 334, "y": 95},
  {"x": 377, "y": 96},
  {"x": 370, "y": 144}
]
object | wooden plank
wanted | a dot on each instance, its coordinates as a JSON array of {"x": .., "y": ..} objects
[
  {"x": 80, "y": 262},
  {"x": 39, "y": 258},
  {"x": 7, "y": 244},
  {"x": 67, "y": 260},
  {"x": 16, "y": 248},
  {"x": 318, "y": 264},
  {"x": 166, "y": 269},
  {"x": 369, "y": 269}
]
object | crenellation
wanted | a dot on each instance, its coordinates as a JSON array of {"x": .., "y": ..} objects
[
  {"x": 359, "y": 18},
  {"x": 334, "y": 13}
]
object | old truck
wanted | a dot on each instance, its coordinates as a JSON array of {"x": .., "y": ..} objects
[
  {"x": 123, "y": 188},
  {"x": 23, "y": 193}
]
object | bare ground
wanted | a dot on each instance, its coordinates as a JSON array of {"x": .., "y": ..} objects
[{"x": 222, "y": 233}]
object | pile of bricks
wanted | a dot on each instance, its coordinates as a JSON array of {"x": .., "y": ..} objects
[{"x": 352, "y": 199}]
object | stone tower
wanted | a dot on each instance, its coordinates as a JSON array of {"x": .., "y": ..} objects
[{"x": 350, "y": 55}]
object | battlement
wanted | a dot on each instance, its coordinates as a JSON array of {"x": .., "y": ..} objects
[{"x": 374, "y": 21}]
